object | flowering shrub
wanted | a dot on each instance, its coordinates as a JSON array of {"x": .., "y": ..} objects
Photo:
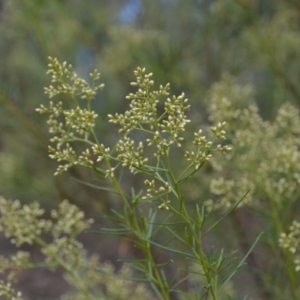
[
  {"x": 266, "y": 161},
  {"x": 150, "y": 132},
  {"x": 151, "y": 127}
]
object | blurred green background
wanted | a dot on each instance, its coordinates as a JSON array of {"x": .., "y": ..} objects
[{"x": 189, "y": 43}]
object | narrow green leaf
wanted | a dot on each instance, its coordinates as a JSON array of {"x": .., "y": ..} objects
[
  {"x": 168, "y": 248},
  {"x": 241, "y": 263},
  {"x": 176, "y": 235},
  {"x": 230, "y": 210},
  {"x": 97, "y": 187}
]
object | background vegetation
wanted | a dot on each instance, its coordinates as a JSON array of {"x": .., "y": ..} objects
[{"x": 244, "y": 50}]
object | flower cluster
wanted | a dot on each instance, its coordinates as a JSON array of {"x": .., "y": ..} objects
[
  {"x": 271, "y": 180},
  {"x": 228, "y": 192},
  {"x": 227, "y": 100},
  {"x": 148, "y": 123},
  {"x": 69, "y": 155},
  {"x": 22, "y": 224},
  {"x": 69, "y": 220},
  {"x": 164, "y": 129},
  {"x": 198, "y": 158},
  {"x": 162, "y": 193},
  {"x": 130, "y": 155},
  {"x": 68, "y": 82},
  {"x": 291, "y": 241},
  {"x": 87, "y": 276},
  {"x": 13, "y": 265},
  {"x": 64, "y": 249},
  {"x": 203, "y": 147},
  {"x": 116, "y": 287},
  {"x": 8, "y": 292},
  {"x": 69, "y": 125},
  {"x": 143, "y": 105}
]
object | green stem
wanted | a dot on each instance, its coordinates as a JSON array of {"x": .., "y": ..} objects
[
  {"x": 137, "y": 231},
  {"x": 197, "y": 249},
  {"x": 79, "y": 283}
]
